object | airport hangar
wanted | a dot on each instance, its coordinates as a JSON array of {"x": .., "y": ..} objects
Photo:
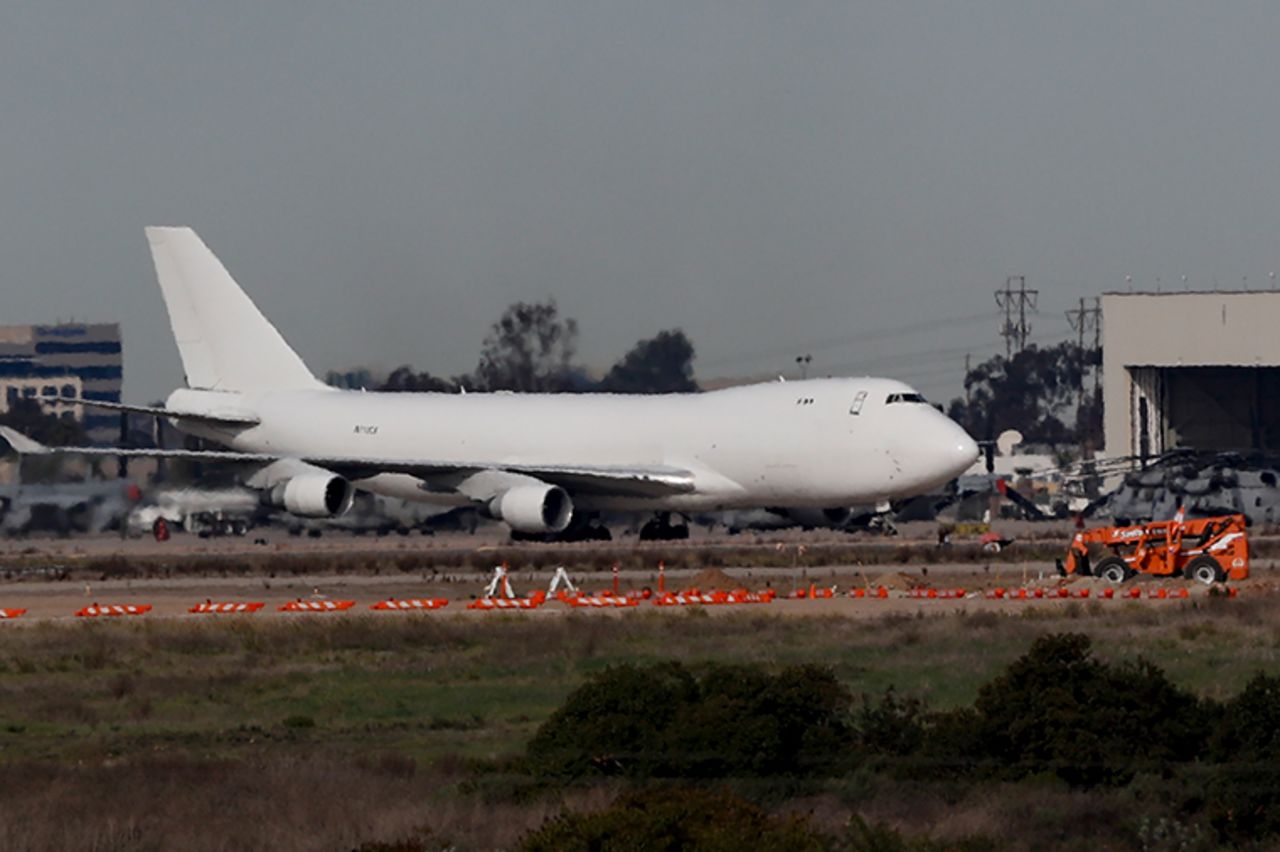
[{"x": 1195, "y": 370}]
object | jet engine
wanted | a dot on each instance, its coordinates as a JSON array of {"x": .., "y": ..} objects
[
  {"x": 313, "y": 495},
  {"x": 836, "y": 517},
  {"x": 533, "y": 508}
]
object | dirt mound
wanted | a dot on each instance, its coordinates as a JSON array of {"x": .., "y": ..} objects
[
  {"x": 899, "y": 580},
  {"x": 712, "y": 578}
]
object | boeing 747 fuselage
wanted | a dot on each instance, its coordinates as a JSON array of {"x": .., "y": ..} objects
[{"x": 531, "y": 460}]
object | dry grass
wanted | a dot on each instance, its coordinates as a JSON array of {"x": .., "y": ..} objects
[
  {"x": 284, "y": 803},
  {"x": 324, "y": 734}
]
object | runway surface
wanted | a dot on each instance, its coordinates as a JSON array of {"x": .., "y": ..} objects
[
  {"x": 44, "y": 578},
  {"x": 172, "y": 597}
]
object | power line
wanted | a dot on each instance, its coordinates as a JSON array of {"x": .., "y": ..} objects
[
  {"x": 949, "y": 355},
  {"x": 927, "y": 366},
  {"x": 851, "y": 339}
]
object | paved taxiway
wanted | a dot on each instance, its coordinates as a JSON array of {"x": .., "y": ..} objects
[{"x": 275, "y": 583}]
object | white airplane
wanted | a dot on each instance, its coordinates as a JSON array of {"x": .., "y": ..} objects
[{"x": 534, "y": 461}]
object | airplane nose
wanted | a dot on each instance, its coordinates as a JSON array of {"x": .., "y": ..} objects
[
  {"x": 943, "y": 451},
  {"x": 963, "y": 451}
]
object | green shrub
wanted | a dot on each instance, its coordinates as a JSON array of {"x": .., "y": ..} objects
[
  {"x": 1059, "y": 710},
  {"x": 661, "y": 721},
  {"x": 1244, "y": 785},
  {"x": 615, "y": 723},
  {"x": 894, "y": 726}
]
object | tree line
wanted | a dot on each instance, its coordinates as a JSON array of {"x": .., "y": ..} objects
[
  {"x": 1040, "y": 392},
  {"x": 533, "y": 349}
]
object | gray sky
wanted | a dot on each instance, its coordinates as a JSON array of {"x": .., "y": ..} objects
[{"x": 851, "y": 179}]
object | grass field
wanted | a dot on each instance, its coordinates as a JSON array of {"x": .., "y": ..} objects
[{"x": 327, "y": 732}]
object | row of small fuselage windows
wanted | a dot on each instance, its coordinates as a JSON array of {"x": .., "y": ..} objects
[{"x": 862, "y": 395}]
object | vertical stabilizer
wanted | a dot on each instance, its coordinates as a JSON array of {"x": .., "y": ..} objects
[{"x": 225, "y": 341}]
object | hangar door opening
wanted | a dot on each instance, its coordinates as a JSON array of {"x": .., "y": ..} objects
[{"x": 1206, "y": 408}]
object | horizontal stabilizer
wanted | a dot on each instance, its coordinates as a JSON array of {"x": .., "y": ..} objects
[
  {"x": 21, "y": 444},
  {"x": 220, "y": 416}
]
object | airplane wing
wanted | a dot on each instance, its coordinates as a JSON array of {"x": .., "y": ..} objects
[{"x": 622, "y": 480}]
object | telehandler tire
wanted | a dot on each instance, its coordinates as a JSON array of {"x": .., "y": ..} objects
[
  {"x": 1113, "y": 569},
  {"x": 1205, "y": 569}
]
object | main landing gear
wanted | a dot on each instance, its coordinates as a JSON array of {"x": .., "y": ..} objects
[{"x": 661, "y": 529}]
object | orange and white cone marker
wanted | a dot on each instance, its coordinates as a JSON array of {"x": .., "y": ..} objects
[
  {"x": 96, "y": 610},
  {"x": 394, "y": 605},
  {"x": 316, "y": 606},
  {"x": 214, "y": 607}
]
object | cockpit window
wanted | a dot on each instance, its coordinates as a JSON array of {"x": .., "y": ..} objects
[
  {"x": 904, "y": 397},
  {"x": 857, "y": 402}
]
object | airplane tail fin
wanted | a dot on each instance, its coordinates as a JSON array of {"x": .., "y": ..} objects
[{"x": 225, "y": 342}]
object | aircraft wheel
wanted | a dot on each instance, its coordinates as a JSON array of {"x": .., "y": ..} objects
[
  {"x": 1113, "y": 569},
  {"x": 1205, "y": 569}
]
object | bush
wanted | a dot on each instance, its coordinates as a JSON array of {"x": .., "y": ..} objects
[
  {"x": 674, "y": 818},
  {"x": 893, "y": 726},
  {"x": 615, "y": 723},
  {"x": 1059, "y": 710},
  {"x": 736, "y": 721},
  {"x": 1244, "y": 786}
]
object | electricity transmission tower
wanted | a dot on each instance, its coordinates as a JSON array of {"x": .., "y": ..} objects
[
  {"x": 1016, "y": 304},
  {"x": 1084, "y": 319}
]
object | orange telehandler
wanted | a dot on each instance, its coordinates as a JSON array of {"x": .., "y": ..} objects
[{"x": 1205, "y": 549}]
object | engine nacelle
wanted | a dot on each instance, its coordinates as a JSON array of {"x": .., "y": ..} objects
[
  {"x": 533, "y": 508},
  {"x": 313, "y": 495},
  {"x": 836, "y": 517}
]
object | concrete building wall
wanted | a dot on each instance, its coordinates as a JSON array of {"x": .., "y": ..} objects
[
  {"x": 86, "y": 356},
  {"x": 58, "y": 395},
  {"x": 1193, "y": 368}
]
